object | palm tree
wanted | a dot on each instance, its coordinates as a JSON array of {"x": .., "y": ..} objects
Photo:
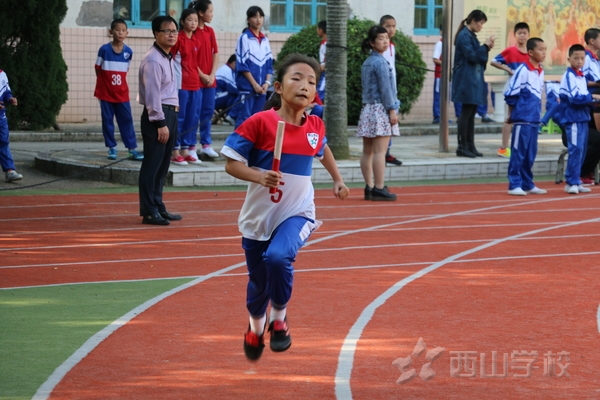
[{"x": 335, "y": 115}]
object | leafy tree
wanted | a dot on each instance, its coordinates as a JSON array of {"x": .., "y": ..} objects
[
  {"x": 409, "y": 67},
  {"x": 31, "y": 55}
]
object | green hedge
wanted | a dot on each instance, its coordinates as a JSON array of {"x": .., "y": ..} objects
[
  {"x": 31, "y": 55},
  {"x": 410, "y": 74}
]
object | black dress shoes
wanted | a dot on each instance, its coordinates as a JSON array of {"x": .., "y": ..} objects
[
  {"x": 154, "y": 219},
  {"x": 171, "y": 217}
]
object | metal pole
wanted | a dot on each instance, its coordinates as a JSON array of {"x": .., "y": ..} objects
[{"x": 448, "y": 6}]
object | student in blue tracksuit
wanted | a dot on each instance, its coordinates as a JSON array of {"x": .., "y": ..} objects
[
  {"x": 524, "y": 99},
  {"x": 575, "y": 100},
  {"x": 227, "y": 91},
  {"x": 253, "y": 67},
  {"x": 6, "y": 160}
]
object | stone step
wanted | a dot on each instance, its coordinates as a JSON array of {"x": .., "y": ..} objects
[{"x": 213, "y": 173}]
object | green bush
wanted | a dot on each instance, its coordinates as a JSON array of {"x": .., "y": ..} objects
[
  {"x": 31, "y": 55},
  {"x": 410, "y": 74}
]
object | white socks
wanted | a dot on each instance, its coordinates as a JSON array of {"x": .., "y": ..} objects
[
  {"x": 276, "y": 315},
  {"x": 257, "y": 325}
]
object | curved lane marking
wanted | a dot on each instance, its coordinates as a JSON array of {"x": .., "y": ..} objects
[
  {"x": 348, "y": 349},
  {"x": 46, "y": 388}
]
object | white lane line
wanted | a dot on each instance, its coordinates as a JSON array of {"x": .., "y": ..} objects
[
  {"x": 330, "y": 269},
  {"x": 47, "y": 387},
  {"x": 236, "y": 211},
  {"x": 59, "y": 373},
  {"x": 327, "y": 196},
  {"x": 136, "y": 227},
  {"x": 182, "y": 241},
  {"x": 403, "y": 216},
  {"x": 319, "y": 250},
  {"x": 316, "y": 233},
  {"x": 167, "y": 278},
  {"x": 117, "y": 244},
  {"x": 67, "y": 264},
  {"x": 135, "y": 204},
  {"x": 348, "y": 348}
]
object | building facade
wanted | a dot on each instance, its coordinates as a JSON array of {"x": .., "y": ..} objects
[{"x": 85, "y": 29}]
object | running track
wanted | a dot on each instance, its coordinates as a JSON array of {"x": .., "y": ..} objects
[{"x": 465, "y": 268}]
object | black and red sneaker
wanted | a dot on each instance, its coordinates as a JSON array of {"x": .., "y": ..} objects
[
  {"x": 253, "y": 345},
  {"x": 390, "y": 159},
  {"x": 280, "y": 335}
]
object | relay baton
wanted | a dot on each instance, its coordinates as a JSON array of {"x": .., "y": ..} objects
[{"x": 277, "y": 150}]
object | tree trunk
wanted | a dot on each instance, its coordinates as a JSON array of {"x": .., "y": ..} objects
[{"x": 335, "y": 115}]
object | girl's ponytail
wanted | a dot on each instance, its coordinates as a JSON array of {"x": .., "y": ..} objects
[
  {"x": 460, "y": 26},
  {"x": 365, "y": 46}
]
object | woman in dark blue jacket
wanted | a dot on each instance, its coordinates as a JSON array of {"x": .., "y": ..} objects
[{"x": 468, "y": 86}]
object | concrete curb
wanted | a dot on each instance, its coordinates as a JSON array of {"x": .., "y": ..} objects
[{"x": 76, "y": 133}]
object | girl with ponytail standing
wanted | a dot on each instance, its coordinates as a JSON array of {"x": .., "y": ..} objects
[
  {"x": 253, "y": 67},
  {"x": 208, "y": 61},
  {"x": 378, "y": 120}
]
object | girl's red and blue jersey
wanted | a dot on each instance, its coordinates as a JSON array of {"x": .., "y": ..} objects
[
  {"x": 185, "y": 55},
  {"x": 575, "y": 98},
  {"x": 524, "y": 94},
  {"x": 111, "y": 80},
  {"x": 512, "y": 57},
  {"x": 252, "y": 54},
  {"x": 591, "y": 67},
  {"x": 252, "y": 143}
]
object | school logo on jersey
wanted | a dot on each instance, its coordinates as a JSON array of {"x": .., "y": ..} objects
[
  {"x": 126, "y": 56},
  {"x": 313, "y": 139}
]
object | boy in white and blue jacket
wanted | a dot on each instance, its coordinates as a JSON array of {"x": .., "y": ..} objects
[
  {"x": 575, "y": 101},
  {"x": 524, "y": 99},
  {"x": 6, "y": 160}
]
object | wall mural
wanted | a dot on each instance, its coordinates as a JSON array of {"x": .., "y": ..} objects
[{"x": 560, "y": 23}]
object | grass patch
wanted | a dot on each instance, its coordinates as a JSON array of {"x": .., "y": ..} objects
[{"x": 42, "y": 327}]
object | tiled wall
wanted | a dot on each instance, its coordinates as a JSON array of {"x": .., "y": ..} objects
[{"x": 80, "y": 48}]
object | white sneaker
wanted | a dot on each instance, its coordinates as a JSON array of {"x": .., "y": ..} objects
[
  {"x": 583, "y": 189},
  {"x": 572, "y": 189},
  {"x": 517, "y": 192},
  {"x": 229, "y": 120},
  {"x": 12, "y": 176},
  {"x": 537, "y": 190},
  {"x": 209, "y": 152}
]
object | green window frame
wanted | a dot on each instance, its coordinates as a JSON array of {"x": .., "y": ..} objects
[
  {"x": 293, "y": 15},
  {"x": 428, "y": 17}
]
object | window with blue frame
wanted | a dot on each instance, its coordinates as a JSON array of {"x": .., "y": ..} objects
[
  {"x": 293, "y": 15},
  {"x": 141, "y": 12},
  {"x": 428, "y": 17}
]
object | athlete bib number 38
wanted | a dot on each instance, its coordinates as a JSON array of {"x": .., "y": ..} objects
[{"x": 116, "y": 80}]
